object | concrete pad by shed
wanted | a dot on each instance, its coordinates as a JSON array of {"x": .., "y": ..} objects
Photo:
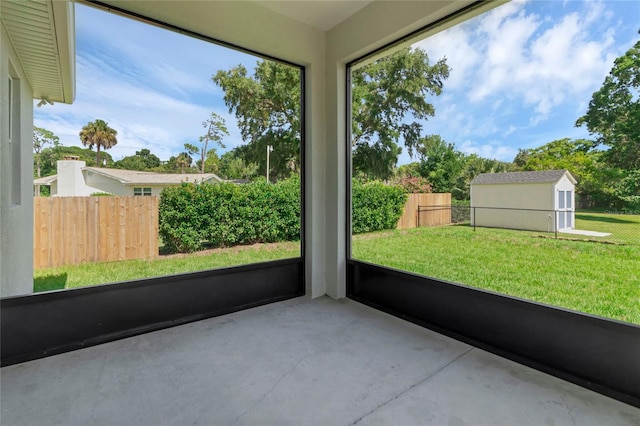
[{"x": 581, "y": 232}]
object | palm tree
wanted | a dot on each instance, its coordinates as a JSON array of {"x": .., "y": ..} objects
[{"x": 98, "y": 133}]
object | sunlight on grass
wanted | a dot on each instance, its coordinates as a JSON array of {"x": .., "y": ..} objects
[
  {"x": 600, "y": 279},
  {"x": 110, "y": 272}
]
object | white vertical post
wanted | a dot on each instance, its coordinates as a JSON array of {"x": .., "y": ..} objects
[{"x": 269, "y": 150}]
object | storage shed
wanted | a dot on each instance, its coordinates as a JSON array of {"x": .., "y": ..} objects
[{"x": 536, "y": 201}]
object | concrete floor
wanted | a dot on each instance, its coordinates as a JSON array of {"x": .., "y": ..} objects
[{"x": 299, "y": 362}]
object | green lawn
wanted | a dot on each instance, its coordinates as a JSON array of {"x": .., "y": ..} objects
[
  {"x": 110, "y": 272},
  {"x": 624, "y": 229},
  {"x": 600, "y": 279}
]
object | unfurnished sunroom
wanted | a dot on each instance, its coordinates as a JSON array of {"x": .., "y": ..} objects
[{"x": 244, "y": 367}]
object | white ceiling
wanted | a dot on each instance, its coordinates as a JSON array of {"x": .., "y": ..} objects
[{"x": 323, "y": 15}]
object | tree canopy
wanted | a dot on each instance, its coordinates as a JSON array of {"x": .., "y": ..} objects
[
  {"x": 267, "y": 106},
  {"x": 98, "y": 133},
  {"x": 389, "y": 99},
  {"x": 142, "y": 160},
  {"x": 41, "y": 138},
  {"x": 613, "y": 115}
]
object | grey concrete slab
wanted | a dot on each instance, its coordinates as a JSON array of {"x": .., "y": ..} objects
[{"x": 321, "y": 362}]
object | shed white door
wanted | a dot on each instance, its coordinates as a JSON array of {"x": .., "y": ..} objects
[{"x": 565, "y": 209}]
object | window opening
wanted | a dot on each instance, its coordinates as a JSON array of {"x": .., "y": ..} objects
[
  {"x": 187, "y": 124},
  {"x": 460, "y": 139}
]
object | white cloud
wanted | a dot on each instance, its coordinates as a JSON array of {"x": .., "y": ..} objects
[
  {"x": 156, "y": 92},
  {"x": 492, "y": 150}
]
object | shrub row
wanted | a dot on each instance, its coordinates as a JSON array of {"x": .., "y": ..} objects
[
  {"x": 376, "y": 206},
  {"x": 221, "y": 215}
]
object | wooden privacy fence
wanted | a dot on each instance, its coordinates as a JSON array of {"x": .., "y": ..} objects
[
  {"x": 409, "y": 218},
  {"x": 75, "y": 230}
]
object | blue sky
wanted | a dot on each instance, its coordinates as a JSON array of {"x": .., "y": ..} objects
[{"x": 521, "y": 75}]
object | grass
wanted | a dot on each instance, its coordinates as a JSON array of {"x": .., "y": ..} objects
[
  {"x": 601, "y": 279},
  {"x": 66, "y": 277},
  {"x": 624, "y": 229}
]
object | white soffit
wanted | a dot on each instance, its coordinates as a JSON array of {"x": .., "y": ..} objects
[
  {"x": 42, "y": 35},
  {"x": 322, "y": 15}
]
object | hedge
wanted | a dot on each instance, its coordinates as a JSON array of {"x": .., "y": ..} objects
[
  {"x": 193, "y": 217},
  {"x": 376, "y": 206},
  {"x": 221, "y": 215}
]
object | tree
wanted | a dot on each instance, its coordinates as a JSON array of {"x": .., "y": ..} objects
[
  {"x": 211, "y": 163},
  {"x": 234, "y": 167},
  {"x": 389, "y": 96},
  {"x": 50, "y": 156},
  {"x": 267, "y": 107},
  {"x": 389, "y": 99},
  {"x": 142, "y": 160},
  {"x": 472, "y": 166},
  {"x": 98, "y": 134},
  {"x": 41, "y": 138},
  {"x": 181, "y": 161},
  {"x": 584, "y": 163},
  {"x": 440, "y": 163},
  {"x": 613, "y": 114},
  {"x": 216, "y": 128}
]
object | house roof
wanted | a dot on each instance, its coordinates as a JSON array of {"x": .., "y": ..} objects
[
  {"x": 543, "y": 176},
  {"x": 133, "y": 177},
  {"x": 45, "y": 180},
  {"x": 42, "y": 34}
]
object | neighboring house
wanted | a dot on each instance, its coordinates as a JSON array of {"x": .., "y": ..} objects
[
  {"x": 536, "y": 201},
  {"x": 75, "y": 179},
  {"x": 37, "y": 61}
]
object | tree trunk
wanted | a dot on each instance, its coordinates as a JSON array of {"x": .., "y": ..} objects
[{"x": 98, "y": 155}]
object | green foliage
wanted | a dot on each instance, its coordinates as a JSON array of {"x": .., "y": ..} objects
[
  {"x": 614, "y": 112},
  {"x": 414, "y": 185},
  {"x": 98, "y": 133},
  {"x": 627, "y": 190},
  {"x": 42, "y": 137},
  {"x": 216, "y": 129},
  {"x": 386, "y": 95},
  {"x": 596, "y": 180},
  {"x": 221, "y": 215},
  {"x": 101, "y": 194},
  {"x": 267, "y": 107},
  {"x": 472, "y": 166},
  {"x": 50, "y": 156},
  {"x": 143, "y": 160},
  {"x": 440, "y": 163},
  {"x": 232, "y": 166},
  {"x": 613, "y": 116},
  {"x": 376, "y": 206}
]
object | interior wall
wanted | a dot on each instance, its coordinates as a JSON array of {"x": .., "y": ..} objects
[{"x": 16, "y": 220}]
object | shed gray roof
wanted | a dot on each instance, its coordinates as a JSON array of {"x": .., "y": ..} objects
[{"x": 543, "y": 176}]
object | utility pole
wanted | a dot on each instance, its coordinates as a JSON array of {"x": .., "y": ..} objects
[{"x": 269, "y": 151}]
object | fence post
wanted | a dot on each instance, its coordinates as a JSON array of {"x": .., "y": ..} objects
[
  {"x": 474, "y": 219},
  {"x": 418, "y": 218}
]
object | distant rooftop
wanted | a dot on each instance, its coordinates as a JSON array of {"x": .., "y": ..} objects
[
  {"x": 543, "y": 176},
  {"x": 129, "y": 177}
]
